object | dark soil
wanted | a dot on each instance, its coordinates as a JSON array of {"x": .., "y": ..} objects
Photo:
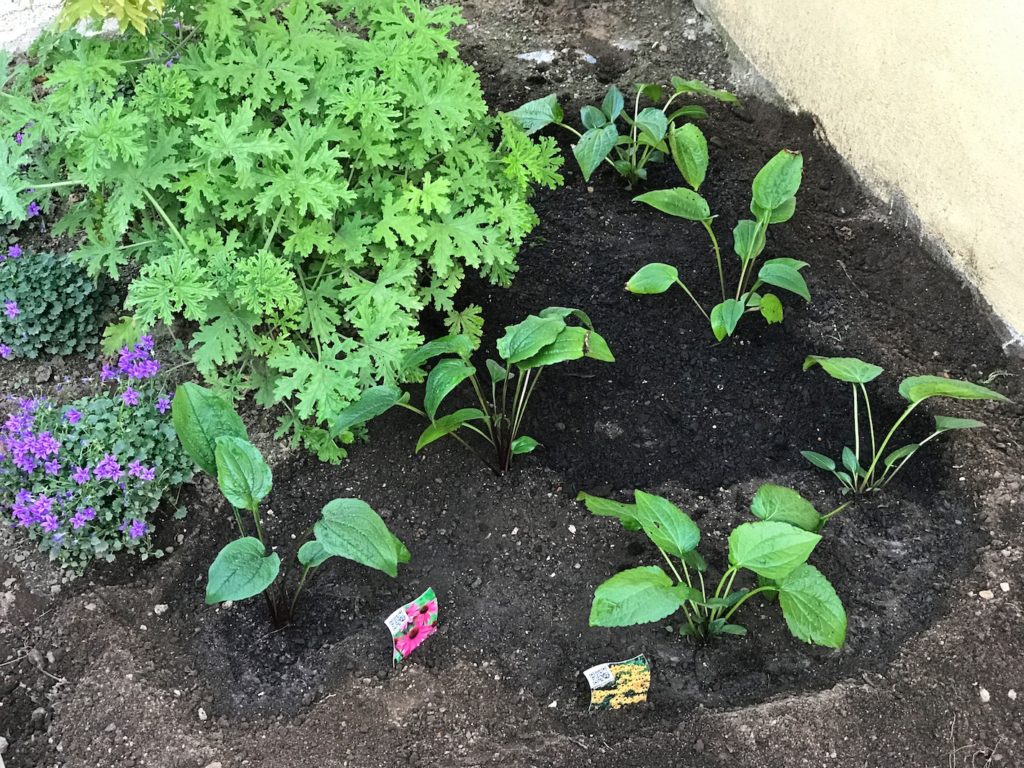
[{"x": 515, "y": 560}]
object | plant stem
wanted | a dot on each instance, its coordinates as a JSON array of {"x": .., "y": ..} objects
[
  {"x": 746, "y": 597},
  {"x": 871, "y": 423},
  {"x": 273, "y": 229},
  {"x": 238, "y": 520},
  {"x": 881, "y": 449},
  {"x": 718, "y": 256},
  {"x": 856, "y": 425},
  {"x": 833, "y": 513},
  {"x": 52, "y": 185},
  {"x": 744, "y": 272},
  {"x": 693, "y": 299},
  {"x": 256, "y": 519},
  {"x": 298, "y": 589},
  {"x": 884, "y": 481},
  {"x": 167, "y": 219}
]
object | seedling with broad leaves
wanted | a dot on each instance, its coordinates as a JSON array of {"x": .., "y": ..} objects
[
  {"x": 556, "y": 335},
  {"x": 215, "y": 437},
  {"x": 882, "y": 462},
  {"x": 773, "y": 202},
  {"x": 774, "y": 550},
  {"x": 649, "y": 135}
]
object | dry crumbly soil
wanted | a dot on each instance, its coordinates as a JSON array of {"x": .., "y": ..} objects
[{"x": 92, "y": 675}]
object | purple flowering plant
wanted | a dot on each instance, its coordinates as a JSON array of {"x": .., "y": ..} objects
[{"x": 85, "y": 479}]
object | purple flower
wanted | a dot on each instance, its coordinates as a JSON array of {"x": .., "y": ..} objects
[
  {"x": 137, "y": 529},
  {"x": 71, "y": 416},
  {"x": 33, "y": 209},
  {"x": 107, "y": 373},
  {"x": 49, "y": 523},
  {"x": 163, "y": 404},
  {"x": 169, "y": 63},
  {"x": 82, "y": 516},
  {"x": 14, "y": 251},
  {"x": 52, "y": 467},
  {"x": 136, "y": 469},
  {"x": 81, "y": 475},
  {"x": 18, "y": 138},
  {"x": 177, "y": 24},
  {"x": 130, "y": 397},
  {"x": 11, "y": 309},
  {"x": 7, "y": 353},
  {"x": 108, "y": 468},
  {"x": 138, "y": 362}
]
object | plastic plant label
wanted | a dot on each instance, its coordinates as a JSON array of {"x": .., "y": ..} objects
[
  {"x": 411, "y": 624},
  {"x": 618, "y": 684}
]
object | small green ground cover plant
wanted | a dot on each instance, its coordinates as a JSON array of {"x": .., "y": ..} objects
[
  {"x": 881, "y": 463},
  {"x": 212, "y": 433},
  {"x": 295, "y": 181},
  {"x": 137, "y": 14},
  {"x": 773, "y": 201},
  {"x": 774, "y": 549},
  {"x": 85, "y": 479},
  {"x": 649, "y": 135},
  {"x": 50, "y": 305},
  {"x": 555, "y": 335}
]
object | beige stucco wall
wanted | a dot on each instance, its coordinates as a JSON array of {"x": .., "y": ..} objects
[{"x": 925, "y": 99}]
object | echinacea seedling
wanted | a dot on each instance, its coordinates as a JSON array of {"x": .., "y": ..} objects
[
  {"x": 525, "y": 350},
  {"x": 773, "y": 550},
  {"x": 773, "y": 201},
  {"x": 650, "y": 134},
  {"x": 883, "y": 464},
  {"x": 215, "y": 437}
]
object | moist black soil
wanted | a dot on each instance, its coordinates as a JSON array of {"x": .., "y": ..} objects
[{"x": 514, "y": 559}]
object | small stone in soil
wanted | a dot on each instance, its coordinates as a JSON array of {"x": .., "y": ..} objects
[
  {"x": 986, "y": 594},
  {"x": 985, "y": 695}
]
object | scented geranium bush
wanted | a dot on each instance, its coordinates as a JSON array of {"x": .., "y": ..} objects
[
  {"x": 296, "y": 180},
  {"x": 85, "y": 479}
]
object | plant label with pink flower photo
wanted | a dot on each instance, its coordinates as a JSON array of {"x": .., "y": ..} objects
[
  {"x": 619, "y": 683},
  {"x": 411, "y": 624}
]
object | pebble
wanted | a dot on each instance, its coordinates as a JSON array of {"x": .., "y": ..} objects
[
  {"x": 986, "y": 594},
  {"x": 90, "y": 606},
  {"x": 3, "y": 745},
  {"x": 1010, "y": 694},
  {"x": 985, "y": 695},
  {"x": 1005, "y": 586},
  {"x": 215, "y": 764},
  {"x": 160, "y": 610},
  {"x": 202, "y": 715}
]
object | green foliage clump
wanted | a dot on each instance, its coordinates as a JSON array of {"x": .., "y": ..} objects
[
  {"x": 297, "y": 181},
  {"x": 134, "y": 13},
  {"x": 60, "y": 309}
]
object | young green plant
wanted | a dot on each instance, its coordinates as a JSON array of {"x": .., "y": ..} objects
[
  {"x": 883, "y": 464},
  {"x": 214, "y": 436},
  {"x": 773, "y": 201},
  {"x": 649, "y": 134},
  {"x": 556, "y": 335},
  {"x": 773, "y": 550}
]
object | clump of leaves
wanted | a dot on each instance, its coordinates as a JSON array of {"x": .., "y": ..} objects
[
  {"x": 295, "y": 181},
  {"x": 216, "y": 439},
  {"x": 127, "y": 13},
  {"x": 649, "y": 135},
  {"x": 773, "y": 202},
  {"x": 773, "y": 549},
  {"x": 556, "y": 335},
  {"x": 51, "y": 306},
  {"x": 883, "y": 464}
]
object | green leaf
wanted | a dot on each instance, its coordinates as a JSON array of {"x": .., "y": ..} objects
[
  {"x": 947, "y": 423},
  {"x": 690, "y": 153},
  {"x": 635, "y": 596},
  {"x": 523, "y": 444},
  {"x": 650, "y": 91},
  {"x": 812, "y": 609},
  {"x": 725, "y": 317},
  {"x": 732, "y": 629},
  {"x": 665, "y": 524},
  {"x": 572, "y": 343},
  {"x": 848, "y": 369},
  {"x": 312, "y": 554},
  {"x": 696, "y": 86},
  {"x": 526, "y": 339},
  {"x": 563, "y": 313},
  {"x": 455, "y": 344},
  {"x": 918, "y": 388},
  {"x": 900, "y": 453},
  {"x": 653, "y": 122},
  {"x": 496, "y": 372},
  {"x": 613, "y": 104},
  {"x": 784, "y": 276},
  {"x": 653, "y": 278},
  {"x": 592, "y": 117},
  {"x": 771, "y": 308},
  {"x": 593, "y": 147},
  {"x": 624, "y": 513},
  {"x": 777, "y": 215},
  {"x": 770, "y": 548},
  {"x": 778, "y": 180},
  {"x": 537, "y": 114},
  {"x": 748, "y": 239},
  {"x": 448, "y": 424},
  {"x": 402, "y": 552},
  {"x": 371, "y": 404},
  {"x": 678, "y": 201},
  {"x": 690, "y": 111},
  {"x": 241, "y": 569},
  {"x": 443, "y": 378},
  {"x": 350, "y": 528},
  {"x": 242, "y": 474},
  {"x": 200, "y": 417},
  {"x": 694, "y": 559},
  {"x": 784, "y": 505}
]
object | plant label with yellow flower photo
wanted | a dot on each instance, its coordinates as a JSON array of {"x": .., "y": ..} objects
[
  {"x": 619, "y": 683},
  {"x": 411, "y": 624}
]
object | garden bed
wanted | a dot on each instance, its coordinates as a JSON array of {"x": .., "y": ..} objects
[{"x": 515, "y": 560}]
